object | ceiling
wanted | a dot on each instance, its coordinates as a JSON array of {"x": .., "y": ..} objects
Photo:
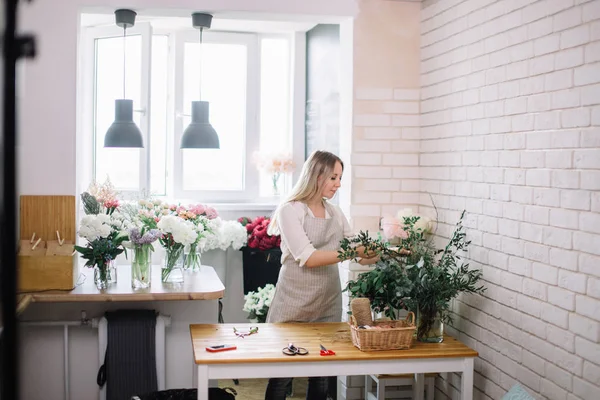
[{"x": 235, "y": 23}]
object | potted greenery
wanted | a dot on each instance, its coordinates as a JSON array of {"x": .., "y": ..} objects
[{"x": 415, "y": 276}]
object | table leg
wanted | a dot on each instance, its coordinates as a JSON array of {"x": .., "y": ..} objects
[
  {"x": 467, "y": 379},
  {"x": 202, "y": 382},
  {"x": 419, "y": 387}
]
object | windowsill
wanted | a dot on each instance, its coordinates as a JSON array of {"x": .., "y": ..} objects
[{"x": 244, "y": 206}]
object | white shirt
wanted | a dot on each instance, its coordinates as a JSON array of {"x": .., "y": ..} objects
[{"x": 291, "y": 226}]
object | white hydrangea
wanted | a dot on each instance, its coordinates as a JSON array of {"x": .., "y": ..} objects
[
  {"x": 233, "y": 234},
  {"x": 184, "y": 232},
  {"x": 93, "y": 227},
  {"x": 423, "y": 223},
  {"x": 258, "y": 302},
  {"x": 209, "y": 235}
]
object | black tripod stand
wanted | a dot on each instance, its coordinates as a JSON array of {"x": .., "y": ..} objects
[{"x": 14, "y": 47}]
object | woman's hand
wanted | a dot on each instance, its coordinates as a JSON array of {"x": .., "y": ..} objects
[
  {"x": 363, "y": 254},
  {"x": 368, "y": 261}
]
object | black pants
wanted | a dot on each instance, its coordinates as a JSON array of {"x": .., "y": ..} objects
[{"x": 317, "y": 388}]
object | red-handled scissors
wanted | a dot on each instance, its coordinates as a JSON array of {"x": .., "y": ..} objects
[{"x": 325, "y": 352}]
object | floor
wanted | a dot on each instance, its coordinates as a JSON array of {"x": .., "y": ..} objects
[{"x": 254, "y": 389}]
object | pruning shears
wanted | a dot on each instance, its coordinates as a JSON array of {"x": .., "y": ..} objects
[{"x": 325, "y": 352}]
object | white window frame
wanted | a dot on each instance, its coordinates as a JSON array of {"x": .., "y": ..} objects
[
  {"x": 250, "y": 189},
  {"x": 90, "y": 36},
  {"x": 176, "y": 38}
]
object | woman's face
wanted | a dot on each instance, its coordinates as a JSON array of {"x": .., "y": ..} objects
[{"x": 332, "y": 183}]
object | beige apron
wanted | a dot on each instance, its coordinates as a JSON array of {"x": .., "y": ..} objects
[{"x": 306, "y": 294}]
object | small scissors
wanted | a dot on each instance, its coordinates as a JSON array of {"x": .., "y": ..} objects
[
  {"x": 292, "y": 350},
  {"x": 325, "y": 352}
]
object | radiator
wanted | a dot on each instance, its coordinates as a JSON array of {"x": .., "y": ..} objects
[{"x": 162, "y": 322}]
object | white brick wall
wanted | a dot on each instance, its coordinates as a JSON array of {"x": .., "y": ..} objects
[
  {"x": 510, "y": 129},
  {"x": 385, "y": 154}
]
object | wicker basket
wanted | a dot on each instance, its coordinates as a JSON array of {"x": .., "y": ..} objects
[{"x": 399, "y": 337}]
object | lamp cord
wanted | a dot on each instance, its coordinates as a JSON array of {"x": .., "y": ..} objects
[
  {"x": 124, "y": 55},
  {"x": 200, "y": 69}
]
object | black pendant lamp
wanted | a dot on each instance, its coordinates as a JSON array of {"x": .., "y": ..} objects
[
  {"x": 200, "y": 134},
  {"x": 124, "y": 132}
]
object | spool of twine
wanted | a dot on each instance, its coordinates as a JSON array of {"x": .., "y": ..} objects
[{"x": 361, "y": 310}]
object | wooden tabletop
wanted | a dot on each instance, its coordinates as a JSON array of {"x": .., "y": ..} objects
[
  {"x": 266, "y": 345},
  {"x": 199, "y": 285}
]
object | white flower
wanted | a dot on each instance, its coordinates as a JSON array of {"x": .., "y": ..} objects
[
  {"x": 183, "y": 231},
  {"x": 233, "y": 234},
  {"x": 423, "y": 223},
  {"x": 405, "y": 212},
  {"x": 95, "y": 226}
]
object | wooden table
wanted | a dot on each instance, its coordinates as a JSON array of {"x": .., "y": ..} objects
[
  {"x": 260, "y": 356},
  {"x": 201, "y": 285}
]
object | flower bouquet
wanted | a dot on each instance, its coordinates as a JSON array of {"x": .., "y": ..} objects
[
  {"x": 100, "y": 199},
  {"x": 177, "y": 233},
  {"x": 104, "y": 244},
  {"x": 258, "y": 303},
  {"x": 261, "y": 255},
  {"x": 141, "y": 266},
  {"x": 274, "y": 165},
  {"x": 258, "y": 238},
  {"x": 206, "y": 222}
]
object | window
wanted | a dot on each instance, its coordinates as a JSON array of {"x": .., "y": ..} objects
[{"x": 245, "y": 77}]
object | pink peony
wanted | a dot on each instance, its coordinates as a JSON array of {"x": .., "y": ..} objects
[
  {"x": 393, "y": 229},
  {"x": 211, "y": 213}
]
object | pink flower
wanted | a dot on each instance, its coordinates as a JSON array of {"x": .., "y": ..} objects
[
  {"x": 393, "y": 229},
  {"x": 211, "y": 213},
  {"x": 114, "y": 203},
  {"x": 198, "y": 209}
]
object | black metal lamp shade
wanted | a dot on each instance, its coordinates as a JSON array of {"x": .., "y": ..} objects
[
  {"x": 123, "y": 132},
  {"x": 200, "y": 134}
]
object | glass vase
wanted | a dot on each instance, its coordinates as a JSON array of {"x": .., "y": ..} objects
[
  {"x": 193, "y": 260},
  {"x": 172, "y": 268},
  {"x": 105, "y": 275},
  {"x": 275, "y": 182},
  {"x": 430, "y": 327},
  {"x": 141, "y": 267}
]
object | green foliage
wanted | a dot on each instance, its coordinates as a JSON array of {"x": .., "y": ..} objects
[
  {"x": 101, "y": 250},
  {"x": 425, "y": 280},
  {"x": 91, "y": 206}
]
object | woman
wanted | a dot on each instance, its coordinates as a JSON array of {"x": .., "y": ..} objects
[{"x": 308, "y": 288}]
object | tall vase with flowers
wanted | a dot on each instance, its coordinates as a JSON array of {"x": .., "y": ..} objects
[
  {"x": 105, "y": 229},
  {"x": 262, "y": 254},
  {"x": 177, "y": 234},
  {"x": 104, "y": 244},
  {"x": 275, "y": 165},
  {"x": 141, "y": 240},
  {"x": 206, "y": 222}
]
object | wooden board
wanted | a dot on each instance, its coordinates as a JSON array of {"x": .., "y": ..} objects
[
  {"x": 45, "y": 215},
  {"x": 46, "y": 272},
  {"x": 266, "y": 345}
]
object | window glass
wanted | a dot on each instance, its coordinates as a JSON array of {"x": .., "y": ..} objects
[{"x": 223, "y": 76}]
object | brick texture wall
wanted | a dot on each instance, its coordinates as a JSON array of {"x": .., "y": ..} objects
[{"x": 510, "y": 131}]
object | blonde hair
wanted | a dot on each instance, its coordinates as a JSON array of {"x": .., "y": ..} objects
[{"x": 319, "y": 163}]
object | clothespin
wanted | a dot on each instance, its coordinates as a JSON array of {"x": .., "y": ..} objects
[
  {"x": 73, "y": 253},
  {"x": 36, "y": 243},
  {"x": 60, "y": 242},
  {"x": 32, "y": 238}
]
